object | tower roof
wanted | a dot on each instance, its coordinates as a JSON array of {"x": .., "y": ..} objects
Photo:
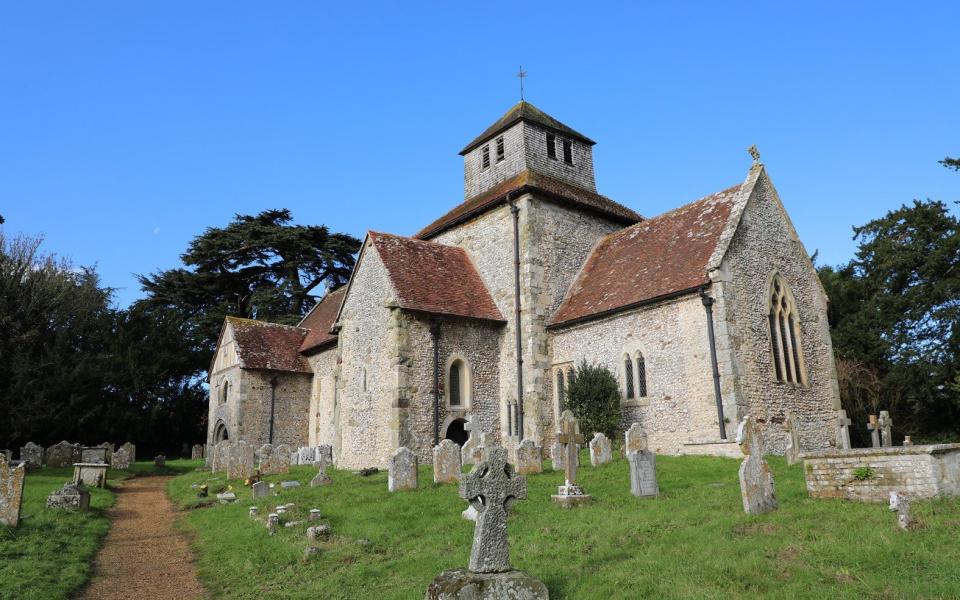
[{"x": 524, "y": 111}]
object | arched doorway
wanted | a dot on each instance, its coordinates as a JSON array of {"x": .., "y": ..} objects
[
  {"x": 220, "y": 432},
  {"x": 456, "y": 432}
]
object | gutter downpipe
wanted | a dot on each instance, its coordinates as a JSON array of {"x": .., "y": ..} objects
[
  {"x": 435, "y": 336},
  {"x": 273, "y": 403},
  {"x": 708, "y": 307},
  {"x": 515, "y": 211}
]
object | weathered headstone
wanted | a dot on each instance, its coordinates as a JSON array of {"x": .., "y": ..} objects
[
  {"x": 490, "y": 488},
  {"x": 240, "y": 460},
  {"x": 289, "y": 485},
  {"x": 570, "y": 494},
  {"x": 601, "y": 452},
  {"x": 886, "y": 425},
  {"x": 32, "y": 454},
  {"x": 321, "y": 478},
  {"x": 11, "y": 492},
  {"x": 221, "y": 456},
  {"x": 273, "y": 461},
  {"x": 843, "y": 430},
  {"x": 643, "y": 468},
  {"x": 325, "y": 453},
  {"x": 874, "y": 431},
  {"x": 901, "y": 504},
  {"x": 91, "y": 474},
  {"x": 556, "y": 456},
  {"x": 72, "y": 496},
  {"x": 756, "y": 479},
  {"x": 260, "y": 489},
  {"x": 131, "y": 451},
  {"x": 63, "y": 454},
  {"x": 160, "y": 460},
  {"x": 634, "y": 438},
  {"x": 307, "y": 455},
  {"x": 792, "y": 450},
  {"x": 196, "y": 452},
  {"x": 94, "y": 454},
  {"x": 472, "y": 450},
  {"x": 122, "y": 458},
  {"x": 109, "y": 451},
  {"x": 403, "y": 470},
  {"x": 528, "y": 458},
  {"x": 446, "y": 462}
]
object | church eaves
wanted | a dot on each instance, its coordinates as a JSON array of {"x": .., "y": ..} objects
[
  {"x": 659, "y": 258},
  {"x": 268, "y": 346},
  {"x": 524, "y": 111},
  {"x": 319, "y": 322}
]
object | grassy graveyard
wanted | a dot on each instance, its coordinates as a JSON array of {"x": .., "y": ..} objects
[{"x": 692, "y": 542}]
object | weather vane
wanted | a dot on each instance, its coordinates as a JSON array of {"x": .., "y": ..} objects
[
  {"x": 521, "y": 75},
  {"x": 754, "y": 153}
]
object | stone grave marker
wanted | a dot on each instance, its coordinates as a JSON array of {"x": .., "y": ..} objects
[
  {"x": 160, "y": 460},
  {"x": 643, "y": 469},
  {"x": 221, "y": 456},
  {"x": 11, "y": 492},
  {"x": 403, "y": 470},
  {"x": 843, "y": 430},
  {"x": 109, "y": 454},
  {"x": 241, "y": 460},
  {"x": 632, "y": 439},
  {"x": 274, "y": 460},
  {"x": 472, "y": 449},
  {"x": 886, "y": 425},
  {"x": 131, "y": 451},
  {"x": 321, "y": 478},
  {"x": 601, "y": 451},
  {"x": 874, "y": 431},
  {"x": 32, "y": 455},
  {"x": 792, "y": 450},
  {"x": 94, "y": 455},
  {"x": 196, "y": 452},
  {"x": 556, "y": 456},
  {"x": 72, "y": 496},
  {"x": 528, "y": 458},
  {"x": 900, "y": 503},
  {"x": 756, "y": 479},
  {"x": 570, "y": 494},
  {"x": 122, "y": 458},
  {"x": 307, "y": 455},
  {"x": 260, "y": 489},
  {"x": 446, "y": 462},
  {"x": 491, "y": 488},
  {"x": 325, "y": 453}
]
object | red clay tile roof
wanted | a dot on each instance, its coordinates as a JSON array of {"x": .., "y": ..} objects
[
  {"x": 530, "y": 181},
  {"x": 653, "y": 259},
  {"x": 263, "y": 345},
  {"x": 320, "y": 319},
  {"x": 434, "y": 278},
  {"x": 524, "y": 111}
]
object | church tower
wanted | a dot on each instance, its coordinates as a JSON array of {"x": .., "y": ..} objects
[{"x": 527, "y": 139}]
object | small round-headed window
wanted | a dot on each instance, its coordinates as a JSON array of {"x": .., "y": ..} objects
[{"x": 224, "y": 392}]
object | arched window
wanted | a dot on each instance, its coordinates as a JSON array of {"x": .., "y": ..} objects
[
  {"x": 627, "y": 377},
  {"x": 561, "y": 389},
  {"x": 784, "y": 324},
  {"x": 458, "y": 383},
  {"x": 224, "y": 391},
  {"x": 641, "y": 376}
]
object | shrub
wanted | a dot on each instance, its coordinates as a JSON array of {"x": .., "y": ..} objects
[
  {"x": 593, "y": 396},
  {"x": 863, "y": 473}
]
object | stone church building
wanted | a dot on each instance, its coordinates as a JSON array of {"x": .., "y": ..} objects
[{"x": 705, "y": 313}]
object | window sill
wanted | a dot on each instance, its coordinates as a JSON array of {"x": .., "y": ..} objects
[{"x": 645, "y": 401}]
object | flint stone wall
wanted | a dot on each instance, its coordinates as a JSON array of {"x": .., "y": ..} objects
[{"x": 919, "y": 471}]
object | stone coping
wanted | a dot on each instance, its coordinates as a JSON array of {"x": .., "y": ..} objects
[
  {"x": 885, "y": 451},
  {"x": 99, "y": 465}
]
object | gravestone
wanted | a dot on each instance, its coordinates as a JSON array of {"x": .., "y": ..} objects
[
  {"x": 643, "y": 469},
  {"x": 446, "y": 462},
  {"x": 325, "y": 453},
  {"x": 601, "y": 451},
  {"x": 221, "y": 456},
  {"x": 121, "y": 458},
  {"x": 792, "y": 451},
  {"x": 109, "y": 451},
  {"x": 874, "y": 431},
  {"x": 240, "y": 460},
  {"x": 472, "y": 450},
  {"x": 131, "y": 451},
  {"x": 160, "y": 460},
  {"x": 11, "y": 492},
  {"x": 72, "y": 496},
  {"x": 843, "y": 430},
  {"x": 274, "y": 460},
  {"x": 634, "y": 439},
  {"x": 403, "y": 470},
  {"x": 260, "y": 489},
  {"x": 91, "y": 474},
  {"x": 756, "y": 479},
  {"x": 570, "y": 494},
  {"x": 886, "y": 425},
  {"x": 196, "y": 452},
  {"x": 901, "y": 504},
  {"x": 321, "y": 478},
  {"x": 491, "y": 488},
  {"x": 94, "y": 455},
  {"x": 528, "y": 458},
  {"x": 32, "y": 455},
  {"x": 556, "y": 456},
  {"x": 307, "y": 455}
]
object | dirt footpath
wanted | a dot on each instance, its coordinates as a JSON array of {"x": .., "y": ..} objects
[{"x": 143, "y": 555}]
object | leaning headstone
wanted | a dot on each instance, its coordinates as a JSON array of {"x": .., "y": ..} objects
[
  {"x": 321, "y": 478},
  {"x": 756, "y": 479},
  {"x": 792, "y": 451},
  {"x": 843, "y": 430},
  {"x": 446, "y": 462},
  {"x": 196, "y": 452},
  {"x": 32, "y": 454},
  {"x": 240, "y": 460},
  {"x": 601, "y": 451},
  {"x": 634, "y": 439},
  {"x": 874, "y": 429},
  {"x": 643, "y": 469},
  {"x": 570, "y": 494},
  {"x": 121, "y": 458},
  {"x": 260, "y": 489},
  {"x": 901, "y": 504},
  {"x": 490, "y": 488},
  {"x": 325, "y": 453},
  {"x": 471, "y": 451},
  {"x": 886, "y": 425},
  {"x": 131, "y": 451},
  {"x": 221, "y": 456},
  {"x": 72, "y": 496},
  {"x": 403, "y": 470},
  {"x": 11, "y": 492},
  {"x": 528, "y": 458}
]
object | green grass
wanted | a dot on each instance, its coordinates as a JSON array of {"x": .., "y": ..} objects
[{"x": 692, "y": 542}]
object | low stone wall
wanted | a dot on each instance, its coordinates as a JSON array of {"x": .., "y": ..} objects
[{"x": 919, "y": 471}]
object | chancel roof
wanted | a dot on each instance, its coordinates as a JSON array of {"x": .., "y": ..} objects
[
  {"x": 270, "y": 346},
  {"x": 656, "y": 258},
  {"x": 434, "y": 278},
  {"x": 524, "y": 111},
  {"x": 319, "y": 321}
]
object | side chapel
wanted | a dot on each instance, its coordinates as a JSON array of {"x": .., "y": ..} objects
[{"x": 705, "y": 313}]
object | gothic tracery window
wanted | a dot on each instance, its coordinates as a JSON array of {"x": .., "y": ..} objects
[{"x": 784, "y": 323}]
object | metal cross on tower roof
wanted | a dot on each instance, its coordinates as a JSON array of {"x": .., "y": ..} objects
[{"x": 521, "y": 75}]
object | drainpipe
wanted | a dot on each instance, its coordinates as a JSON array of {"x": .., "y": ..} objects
[
  {"x": 435, "y": 337},
  {"x": 708, "y": 307},
  {"x": 273, "y": 402},
  {"x": 515, "y": 211}
]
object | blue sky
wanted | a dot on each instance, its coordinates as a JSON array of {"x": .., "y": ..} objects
[{"x": 126, "y": 128}]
